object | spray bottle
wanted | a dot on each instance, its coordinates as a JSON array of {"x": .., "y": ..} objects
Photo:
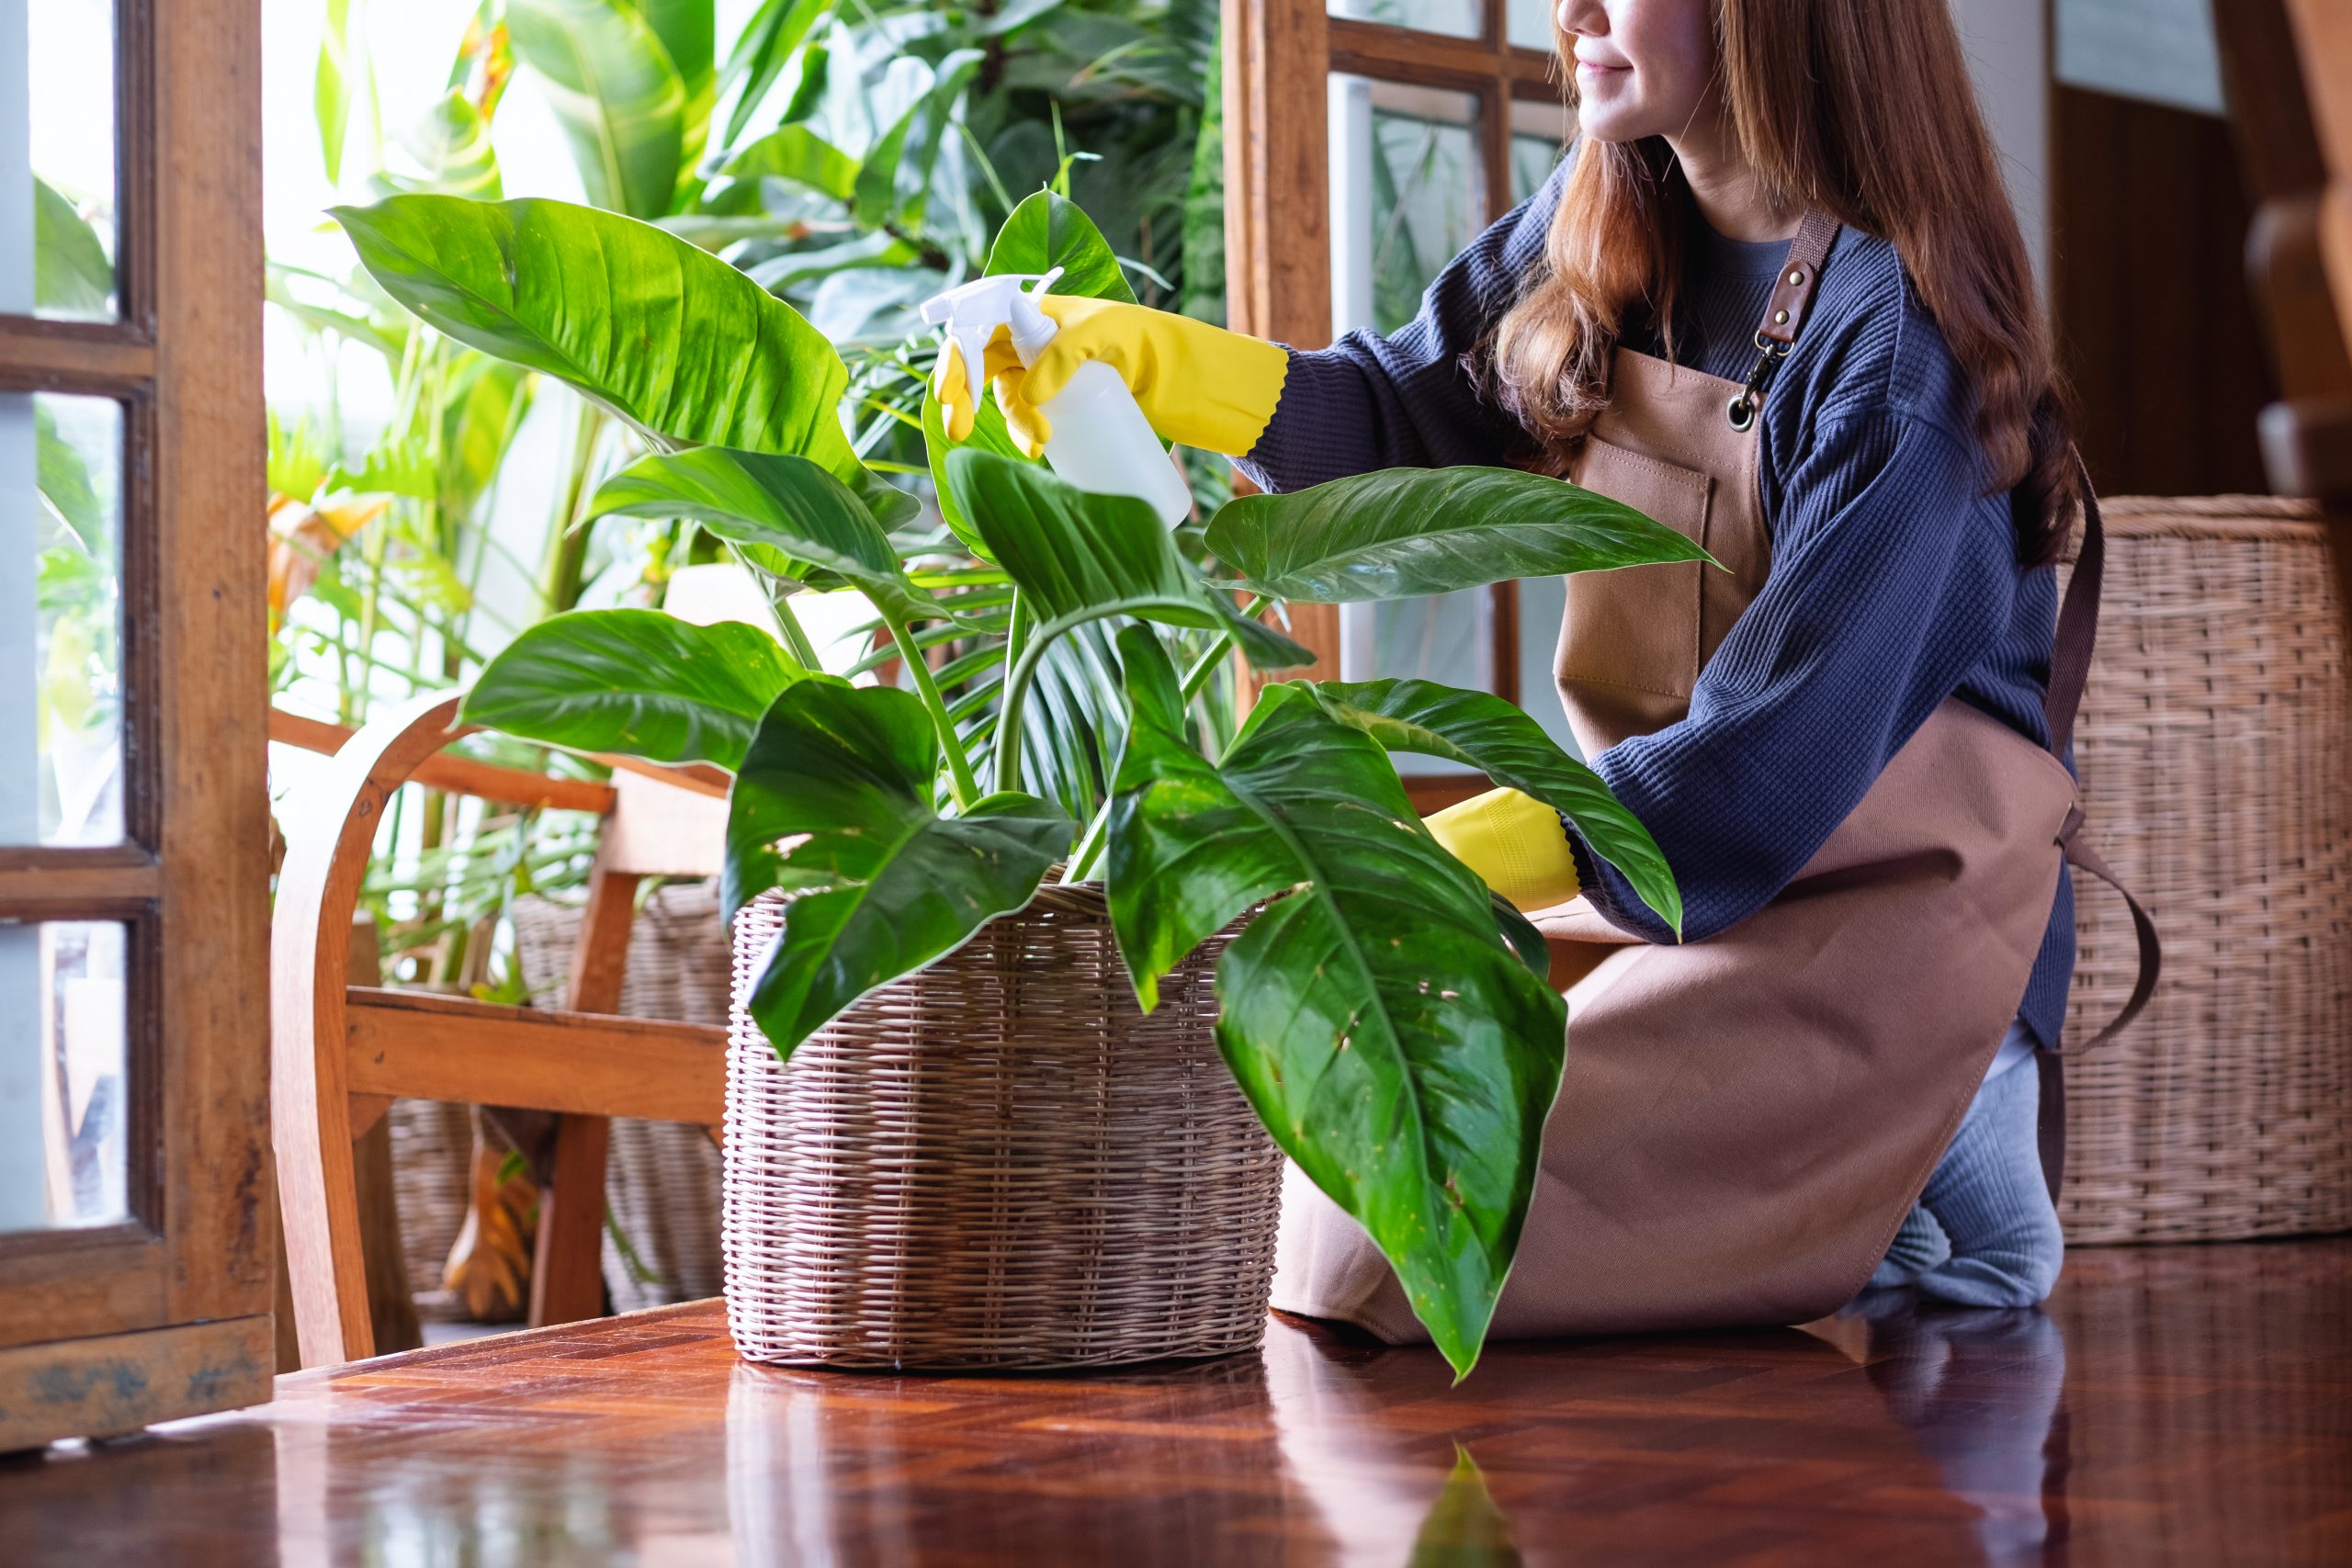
[{"x": 1100, "y": 439}]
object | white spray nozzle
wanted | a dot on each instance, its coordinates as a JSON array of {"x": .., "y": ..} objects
[{"x": 969, "y": 314}]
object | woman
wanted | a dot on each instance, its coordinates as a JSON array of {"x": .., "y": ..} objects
[{"x": 1776, "y": 299}]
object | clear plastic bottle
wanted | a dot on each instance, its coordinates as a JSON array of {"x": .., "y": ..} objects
[{"x": 1099, "y": 439}]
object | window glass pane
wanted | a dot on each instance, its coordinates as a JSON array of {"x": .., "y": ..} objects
[
  {"x": 1539, "y": 134},
  {"x": 64, "y": 1109},
  {"x": 1456, "y": 18},
  {"x": 1408, "y": 195},
  {"x": 57, "y": 189},
  {"x": 61, "y": 665},
  {"x": 1528, "y": 24}
]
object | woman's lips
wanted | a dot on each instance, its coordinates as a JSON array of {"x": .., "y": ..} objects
[{"x": 1600, "y": 69}]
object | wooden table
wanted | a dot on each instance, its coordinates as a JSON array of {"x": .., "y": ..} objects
[{"x": 2189, "y": 1406}]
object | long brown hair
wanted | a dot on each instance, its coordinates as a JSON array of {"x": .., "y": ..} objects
[{"x": 1865, "y": 109}]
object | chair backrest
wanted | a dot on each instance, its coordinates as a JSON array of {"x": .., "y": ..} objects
[
  {"x": 341, "y": 1052},
  {"x": 2287, "y": 66}
]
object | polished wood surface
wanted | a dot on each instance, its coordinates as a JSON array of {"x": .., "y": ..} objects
[{"x": 2186, "y": 1406}]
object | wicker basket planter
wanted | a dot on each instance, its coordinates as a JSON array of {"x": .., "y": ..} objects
[
  {"x": 997, "y": 1162},
  {"x": 2215, "y": 747}
]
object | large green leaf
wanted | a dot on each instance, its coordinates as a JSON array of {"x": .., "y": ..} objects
[
  {"x": 448, "y": 152},
  {"x": 71, "y": 272},
  {"x": 761, "y": 54},
  {"x": 1400, "y": 533},
  {"x": 1396, "y": 1045},
  {"x": 671, "y": 338},
  {"x": 1511, "y": 748},
  {"x": 893, "y": 183},
  {"x": 1078, "y": 556},
  {"x": 689, "y": 33},
  {"x": 887, "y": 885},
  {"x": 1048, "y": 231},
  {"x": 784, "y": 503},
  {"x": 637, "y": 681},
  {"x": 797, "y": 153},
  {"x": 622, "y": 102}
]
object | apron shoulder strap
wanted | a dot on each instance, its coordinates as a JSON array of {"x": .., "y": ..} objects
[{"x": 2070, "y": 673}]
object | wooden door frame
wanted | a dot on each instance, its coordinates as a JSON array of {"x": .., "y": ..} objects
[
  {"x": 109, "y": 1328},
  {"x": 1279, "y": 55}
]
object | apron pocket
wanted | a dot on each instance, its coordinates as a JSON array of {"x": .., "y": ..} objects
[{"x": 1630, "y": 643}]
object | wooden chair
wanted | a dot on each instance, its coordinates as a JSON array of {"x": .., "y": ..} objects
[
  {"x": 2288, "y": 65},
  {"x": 340, "y": 1052}
]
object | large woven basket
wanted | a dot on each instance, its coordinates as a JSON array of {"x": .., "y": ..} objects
[
  {"x": 2213, "y": 753},
  {"x": 661, "y": 1177},
  {"x": 997, "y": 1162}
]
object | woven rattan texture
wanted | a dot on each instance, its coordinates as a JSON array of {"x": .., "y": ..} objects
[
  {"x": 432, "y": 1186},
  {"x": 661, "y": 1177},
  {"x": 997, "y": 1162},
  {"x": 2212, "y": 748}
]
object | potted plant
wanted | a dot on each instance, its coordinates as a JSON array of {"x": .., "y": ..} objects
[{"x": 1385, "y": 1019}]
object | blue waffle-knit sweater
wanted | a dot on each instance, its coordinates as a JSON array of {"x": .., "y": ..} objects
[{"x": 1895, "y": 581}]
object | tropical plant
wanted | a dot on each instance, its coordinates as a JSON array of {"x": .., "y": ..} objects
[{"x": 1388, "y": 1017}]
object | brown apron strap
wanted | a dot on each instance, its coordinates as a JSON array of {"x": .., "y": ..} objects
[
  {"x": 2070, "y": 673},
  {"x": 1784, "y": 313}
]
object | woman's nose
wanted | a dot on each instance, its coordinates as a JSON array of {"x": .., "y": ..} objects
[{"x": 1581, "y": 18}]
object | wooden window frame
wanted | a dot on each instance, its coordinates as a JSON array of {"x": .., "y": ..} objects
[
  {"x": 166, "y": 1314},
  {"x": 1279, "y": 56}
]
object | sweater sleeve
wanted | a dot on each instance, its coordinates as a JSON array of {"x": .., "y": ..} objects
[
  {"x": 1890, "y": 578},
  {"x": 1407, "y": 399}
]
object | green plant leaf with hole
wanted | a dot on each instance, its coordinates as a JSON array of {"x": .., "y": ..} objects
[
  {"x": 1402, "y": 533},
  {"x": 1392, "y": 1040},
  {"x": 886, "y": 884},
  {"x": 636, "y": 682}
]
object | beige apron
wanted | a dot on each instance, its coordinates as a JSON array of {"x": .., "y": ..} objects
[{"x": 1744, "y": 1121}]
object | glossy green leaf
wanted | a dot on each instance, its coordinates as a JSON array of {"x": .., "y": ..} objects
[
  {"x": 1503, "y": 743},
  {"x": 689, "y": 33},
  {"x": 446, "y": 152},
  {"x": 797, "y": 153},
  {"x": 886, "y": 884},
  {"x": 762, "y": 51},
  {"x": 783, "y": 503},
  {"x": 72, "y": 273},
  {"x": 989, "y": 434},
  {"x": 330, "y": 87},
  {"x": 1400, "y": 533},
  {"x": 1399, "y": 1049},
  {"x": 65, "y": 484},
  {"x": 669, "y": 338},
  {"x": 1079, "y": 556},
  {"x": 1048, "y": 231},
  {"x": 623, "y": 104},
  {"x": 637, "y": 681}
]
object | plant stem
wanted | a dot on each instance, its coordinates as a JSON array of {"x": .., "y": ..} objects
[
  {"x": 566, "y": 548},
  {"x": 1089, "y": 847},
  {"x": 967, "y": 788},
  {"x": 796, "y": 641}
]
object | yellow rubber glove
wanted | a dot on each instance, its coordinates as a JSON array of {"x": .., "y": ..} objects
[
  {"x": 1199, "y": 385},
  {"x": 957, "y": 397},
  {"x": 1515, "y": 842}
]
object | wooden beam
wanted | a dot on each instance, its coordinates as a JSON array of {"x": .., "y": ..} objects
[
  {"x": 430, "y": 1047},
  {"x": 460, "y": 776},
  {"x": 1401, "y": 54},
  {"x": 117, "y": 1383},
  {"x": 48, "y": 884},
  {"x": 91, "y": 358}
]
